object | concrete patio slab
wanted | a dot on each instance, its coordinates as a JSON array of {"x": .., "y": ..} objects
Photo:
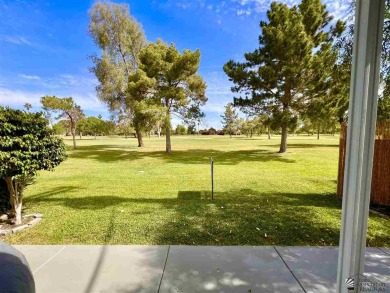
[
  {"x": 103, "y": 269},
  {"x": 316, "y": 267},
  {"x": 385, "y": 250},
  {"x": 128, "y": 268},
  {"x": 226, "y": 269},
  {"x": 39, "y": 255},
  {"x": 377, "y": 266}
]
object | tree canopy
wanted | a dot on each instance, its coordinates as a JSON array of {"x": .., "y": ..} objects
[
  {"x": 120, "y": 38},
  {"x": 64, "y": 108},
  {"x": 178, "y": 88},
  {"x": 94, "y": 126},
  {"x": 342, "y": 72},
  {"x": 146, "y": 113},
  {"x": 384, "y": 98},
  {"x": 277, "y": 77},
  {"x": 229, "y": 118},
  {"x": 27, "y": 106}
]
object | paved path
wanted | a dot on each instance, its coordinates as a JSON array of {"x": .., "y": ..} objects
[{"x": 175, "y": 269}]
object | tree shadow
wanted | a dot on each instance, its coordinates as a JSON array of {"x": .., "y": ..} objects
[
  {"x": 50, "y": 194},
  {"x": 189, "y": 195},
  {"x": 236, "y": 217},
  {"x": 107, "y": 154},
  {"x": 103, "y": 253},
  {"x": 145, "y": 259},
  {"x": 247, "y": 217},
  {"x": 303, "y": 145},
  {"x": 306, "y": 146}
]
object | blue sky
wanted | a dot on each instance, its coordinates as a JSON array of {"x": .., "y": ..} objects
[{"x": 44, "y": 45}]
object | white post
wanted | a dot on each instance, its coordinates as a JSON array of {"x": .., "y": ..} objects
[{"x": 360, "y": 139}]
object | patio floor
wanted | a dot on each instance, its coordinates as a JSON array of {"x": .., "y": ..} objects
[{"x": 174, "y": 269}]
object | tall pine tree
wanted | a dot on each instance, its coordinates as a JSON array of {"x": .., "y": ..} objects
[
  {"x": 229, "y": 118},
  {"x": 277, "y": 76},
  {"x": 179, "y": 89}
]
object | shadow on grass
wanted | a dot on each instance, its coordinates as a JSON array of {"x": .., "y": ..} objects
[
  {"x": 236, "y": 217},
  {"x": 311, "y": 146},
  {"x": 50, "y": 194},
  {"x": 303, "y": 146},
  {"x": 109, "y": 154},
  {"x": 151, "y": 258},
  {"x": 103, "y": 253}
]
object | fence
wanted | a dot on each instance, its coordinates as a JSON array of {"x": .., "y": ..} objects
[{"x": 380, "y": 186}]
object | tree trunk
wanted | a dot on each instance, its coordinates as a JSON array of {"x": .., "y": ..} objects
[
  {"x": 80, "y": 135},
  {"x": 139, "y": 137},
  {"x": 318, "y": 132},
  {"x": 168, "y": 146},
  {"x": 159, "y": 132},
  {"x": 251, "y": 134},
  {"x": 15, "y": 189},
  {"x": 73, "y": 132},
  {"x": 95, "y": 135},
  {"x": 18, "y": 213},
  {"x": 269, "y": 132},
  {"x": 283, "y": 142},
  {"x": 74, "y": 140}
]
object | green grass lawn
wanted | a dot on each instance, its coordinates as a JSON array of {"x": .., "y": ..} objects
[{"x": 111, "y": 192}]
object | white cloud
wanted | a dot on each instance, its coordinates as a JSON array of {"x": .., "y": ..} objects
[
  {"x": 68, "y": 80},
  {"x": 89, "y": 102},
  {"x": 183, "y": 5},
  {"x": 217, "y": 83},
  {"x": 17, "y": 40},
  {"x": 244, "y": 11},
  {"x": 218, "y": 91},
  {"x": 217, "y": 106},
  {"x": 337, "y": 8},
  {"x": 15, "y": 92},
  {"x": 30, "y": 77},
  {"x": 17, "y": 98}
]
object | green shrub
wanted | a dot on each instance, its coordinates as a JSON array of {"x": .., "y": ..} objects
[{"x": 27, "y": 145}]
